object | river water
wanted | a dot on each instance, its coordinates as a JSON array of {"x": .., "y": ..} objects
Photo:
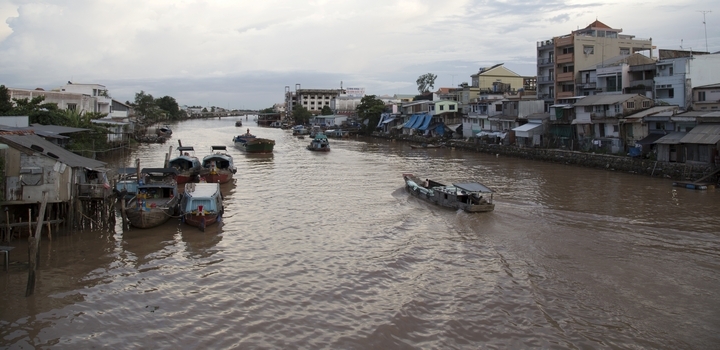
[{"x": 327, "y": 250}]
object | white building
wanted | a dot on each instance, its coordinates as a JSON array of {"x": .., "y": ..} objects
[{"x": 676, "y": 77}]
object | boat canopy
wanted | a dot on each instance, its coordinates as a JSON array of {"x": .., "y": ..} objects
[
  {"x": 473, "y": 187},
  {"x": 219, "y": 148}
]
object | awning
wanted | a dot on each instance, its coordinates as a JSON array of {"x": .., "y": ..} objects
[
  {"x": 419, "y": 121},
  {"x": 581, "y": 122},
  {"x": 703, "y": 134},
  {"x": 388, "y": 120},
  {"x": 410, "y": 122},
  {"x": 425, "y": 123},
  {"x": 650, "y": 139},
  {"x": 526, "y": 130},
  {"x": 672, "y": 138},
  {"x": 454, "y": 127}
]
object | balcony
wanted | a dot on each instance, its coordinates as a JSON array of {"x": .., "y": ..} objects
[
  {"x": 564, "y": 41},
  {"x": 568, "y": 76},
  {"x": 566, "y": 58},
  {"x": 565, "y": 94},
  {"x": 545, "y": 79},
  {"x": 546, "y": 61},
  {"x": 586, "y": 83}
]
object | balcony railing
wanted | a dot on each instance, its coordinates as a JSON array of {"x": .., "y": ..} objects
[
  {"x": 565, "y": 94},
  {"x": 546, "y": 79},
  {"x": 546, "y": 61},
  {"x": 564, "y": 41},
  {"x": 568, "y": 76},
  {"x": 565, "y": 58}
]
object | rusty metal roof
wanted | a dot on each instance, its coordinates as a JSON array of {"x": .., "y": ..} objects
[
  {"x": 704, "y": 134},
  {"x": 49, "y": 149},
  {"x": 672, "y": 138}
]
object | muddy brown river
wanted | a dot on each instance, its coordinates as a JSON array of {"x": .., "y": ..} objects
[{"x": 328, "y": 251}]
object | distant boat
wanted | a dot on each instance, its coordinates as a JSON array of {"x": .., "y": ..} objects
[
  {"x": 187, "y": 165},
  {"x": 163, "y": 131},
  {"x": 156, "y": 200},
  {"x": 201, "y": 205},
  {"x": 425, "y": 145},
  {"x": 252, "y": 144},
  {"x": 218, "y": 166},
  {"x": 238, "y": 123},
  {"x": 319, "y": 143},
  {"x": 471, "y": 197}
]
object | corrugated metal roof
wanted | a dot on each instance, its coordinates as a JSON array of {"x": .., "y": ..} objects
[
  {"x": 652, "y": 111},
  {"x": 52, "y": 150},
  {"x": 55, "y": 129},
  {"x": 672, "y": 138},
  {"x": 704, "y": 134},
  {"x": 604, "y": 99}
]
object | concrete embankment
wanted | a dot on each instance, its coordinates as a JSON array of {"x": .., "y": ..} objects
[{"x": 648, "y": 167}]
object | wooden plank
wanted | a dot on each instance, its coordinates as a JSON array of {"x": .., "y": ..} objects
[{"x": 34, "y": 248}]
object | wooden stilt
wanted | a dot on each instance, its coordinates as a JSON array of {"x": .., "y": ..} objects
[{"x": 34, "y": 248}]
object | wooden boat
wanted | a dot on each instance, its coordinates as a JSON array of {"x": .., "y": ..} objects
[
  {"x": 201, "y": 205},
  {"x": 157, "y": 198},
  {"x": 300, "y": 130},
  {"x": 425, "y": 145},
  {"x": 187, "y": 165},
  {"x": 163, "y": 131},
  {"x": 471, "y": 197},
  {"x": 238, "y": 123},
  {"x": 252, "y": 144},
  {"x": 218, "y": 166},
  {"x": 319, "y": 143}
]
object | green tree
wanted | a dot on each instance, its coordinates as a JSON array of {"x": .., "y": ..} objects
[
  {"x": 326, "y": 111},
  {"x": 170, "y": 106},
  {"x": 5, "y": 102},
  {"x": 268, "y": 110},
  {"x": 301, "y": 115},
  {"x": 370, "y": 109},
  {"x": 426, "y": 82}
]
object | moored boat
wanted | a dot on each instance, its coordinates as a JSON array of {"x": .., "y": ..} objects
[
  {"x": 201, "y": 205},
  {"x": 218, "y": 166},
  {"x": 471, "y": 197},
  {"x": 425, "y": 145},
  {"x": 252, "y": 144},
  {"x": 163, "y": 131},
  {"x": 238, "y": 123},
  {"x": 319, "y": 143},
  {"x": 156, "y": 200},
  {"x": 187, "y": 165}
]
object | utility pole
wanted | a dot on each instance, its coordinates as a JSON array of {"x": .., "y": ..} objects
[
  {"x": 453, "y": 80},
  {"x": 705, "y": 25}
]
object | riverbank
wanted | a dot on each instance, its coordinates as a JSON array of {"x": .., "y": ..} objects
[{"x": 641, "y": 166}]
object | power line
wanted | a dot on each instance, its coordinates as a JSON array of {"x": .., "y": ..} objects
[{"x": 705, "y": 25}]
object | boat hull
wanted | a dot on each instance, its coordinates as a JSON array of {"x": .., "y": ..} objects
[
  {"x": 255, "y": 145},
  {"x": 220, "y": 177},
  {"x": 141, "y": 213},
  {"x": 414, "y": 187},
  {"x": 200, "y": 221}
]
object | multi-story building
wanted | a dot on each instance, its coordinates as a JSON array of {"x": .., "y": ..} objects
[
  {"x": 617, "y": 75},
  {"x": 82, "y": 98},
  {"x": 677, "y": 75},
  {"x": 706, "y": 97},
  {"x": 102, "y": 101},
  {"x": 312, "y": 99},
  {"x": 562, "y": 57}
]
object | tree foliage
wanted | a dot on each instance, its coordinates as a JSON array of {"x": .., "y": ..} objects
[
  {"x": 326, "y": 111},
  {"x": 426, "y": 82},
  {"x": 170, "y": 106},
  {"x": 268, "y": 110},
  {"x": 370, "y": 109},
  {"x": 5, "y": 103},
  {"x": 301, "y": 115}
]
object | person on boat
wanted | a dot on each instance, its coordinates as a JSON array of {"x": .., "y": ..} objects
[
  {"x": 248, "y": 131},
  {"x": 427, "y": 183}
]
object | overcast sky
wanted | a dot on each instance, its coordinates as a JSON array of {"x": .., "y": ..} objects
[{"x": 242, "y": 54}]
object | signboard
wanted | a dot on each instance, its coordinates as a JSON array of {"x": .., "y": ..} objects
[{"x": 359, "y": 92}]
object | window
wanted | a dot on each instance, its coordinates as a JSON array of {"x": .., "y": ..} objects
[
  {"x": 442, "y": 108},
  {"x": 452, "y": 107},
  {"x": 701, "y": 96},
  {"x": 588, "y": 109},
  {"x": 615, "y": 128},
  {"x": 630, "y": 105},
  {"x": 617, "y": 108},
  {"x": 659, "y": 126},
  {"x": 671, "y": 70},
  {"x": 71, "y": 106},
  {"x": 498, "y": 108},
  {"x": 671, "y": 92},
  {"x": 589, "y": 49},
  {"x": 645, "y": 104},
  {"x": 624, "y": 51}
]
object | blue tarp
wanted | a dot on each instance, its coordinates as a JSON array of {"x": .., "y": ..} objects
[
  {"x": 425, "y": 123},
  {"x": 419, "y": 121},
  {"x": 410, "y": 122},
  {"x": 440, "y": 129}
]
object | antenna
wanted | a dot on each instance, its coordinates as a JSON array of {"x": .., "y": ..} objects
[
  {"x": 681, "y": 40},
  {"x": 705, "y": 25}
]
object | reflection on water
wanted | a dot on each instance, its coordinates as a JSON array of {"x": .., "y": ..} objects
[{"x": 326, "y": 250}]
